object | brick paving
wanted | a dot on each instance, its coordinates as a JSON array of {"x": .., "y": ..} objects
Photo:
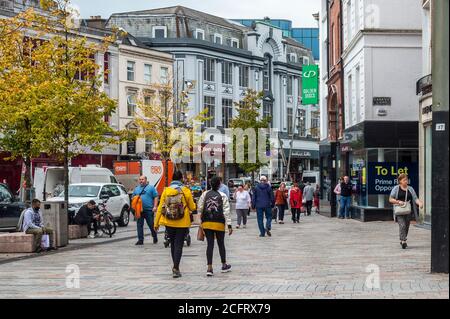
[{"x": 318, "y": 258}]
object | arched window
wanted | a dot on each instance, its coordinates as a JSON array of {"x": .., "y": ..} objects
[{"x": 267, "y": 73}]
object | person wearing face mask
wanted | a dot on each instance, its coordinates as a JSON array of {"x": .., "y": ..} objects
[{"x": 33, "y": 224}]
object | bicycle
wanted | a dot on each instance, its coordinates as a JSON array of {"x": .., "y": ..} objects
[{"x": 105, "y": 219}]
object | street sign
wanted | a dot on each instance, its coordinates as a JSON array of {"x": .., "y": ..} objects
[{"x": 310, "y": 84}]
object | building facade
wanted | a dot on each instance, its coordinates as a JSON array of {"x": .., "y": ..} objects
[
  {"x": 217, "y": 60},
  {"x": 332, "y": 102},
  {"x": 309, "y": 37},
  {"x": 424, "y": 91},
  {"x": 382, "y": 58}
]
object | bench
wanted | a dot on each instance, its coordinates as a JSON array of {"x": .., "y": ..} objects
[
  {"x": 77, "y": 231},
  {"x": 17, "y": 243}
]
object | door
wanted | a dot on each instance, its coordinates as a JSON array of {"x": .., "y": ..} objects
[{"x": 114, "y": 199}]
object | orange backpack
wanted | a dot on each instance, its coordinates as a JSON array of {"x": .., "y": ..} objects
[{"x": 136, "y": 204}]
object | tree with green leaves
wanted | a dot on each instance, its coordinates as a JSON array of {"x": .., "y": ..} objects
[{"x": 249, "y": 117}]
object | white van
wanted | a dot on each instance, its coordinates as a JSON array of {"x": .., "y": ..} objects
[
  {"x": 49, "y": 181},
  {"x": 311, "y": 176}
]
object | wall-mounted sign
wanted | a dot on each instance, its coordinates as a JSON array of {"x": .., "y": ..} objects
[
  {"x": 310, "y": 84},
  {"x": 382, "y": 177},
  {"x": 381, "y": 101},
  {"x": 131, "y": 148},
  {"x": 427, "y": 109}
]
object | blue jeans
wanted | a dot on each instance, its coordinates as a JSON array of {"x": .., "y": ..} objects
[
  {"x": 148, "y": 217},
  {"x": 345, "y": 206},
  {"x": 260, "y": 212}
]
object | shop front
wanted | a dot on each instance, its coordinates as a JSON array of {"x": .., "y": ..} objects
[{"x": 376, "y": 153}]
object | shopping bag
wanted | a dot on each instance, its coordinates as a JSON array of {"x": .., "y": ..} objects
[{"x": 200, "y": 234}]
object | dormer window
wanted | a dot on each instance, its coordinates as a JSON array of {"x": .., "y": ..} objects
[
  {"x": 293, "y": 57},
  {"x": 305, "y": 60},
  {"x": 218, "y": 39},
  {"x": 159, "y": 32},
  {"x": 200, "y": 34},
  {"x": 235, "y": 43}
]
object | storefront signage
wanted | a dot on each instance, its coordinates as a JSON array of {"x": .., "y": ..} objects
[
  {"x": 381, "y": 101},
  {"x": 131, "y": 147},
  {"x": 382, "y": 177},
  {"x": 427, "y": 109},
  {"x": 310, "y": 84}
]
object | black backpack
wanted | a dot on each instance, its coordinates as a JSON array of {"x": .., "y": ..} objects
[{"x": 213, "y": 208}]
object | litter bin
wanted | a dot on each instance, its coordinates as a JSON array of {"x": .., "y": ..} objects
[{"x": 55, "y": 216}]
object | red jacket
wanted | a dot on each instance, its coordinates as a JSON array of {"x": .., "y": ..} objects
[{"x": 295, "y": 198}]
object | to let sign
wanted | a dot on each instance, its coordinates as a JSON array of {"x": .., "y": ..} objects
[
  {"x": 310, "y": 84},
  {"x": 382, "y": 177}
]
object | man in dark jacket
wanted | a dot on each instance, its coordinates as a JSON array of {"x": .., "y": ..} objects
[
  {"x": 86, "y": 216},
  {"x": 263, "y": 201}
]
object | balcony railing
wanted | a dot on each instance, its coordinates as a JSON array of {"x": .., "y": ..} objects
[{"x": 424, "y": 85}]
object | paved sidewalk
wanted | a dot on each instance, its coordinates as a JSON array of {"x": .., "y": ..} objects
[{"x": 318, "y": 258}]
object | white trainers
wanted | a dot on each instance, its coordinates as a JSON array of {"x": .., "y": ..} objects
[{"x": 91, "y": 236}]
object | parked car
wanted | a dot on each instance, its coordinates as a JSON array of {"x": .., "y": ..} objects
[
  {"x": 49, "y": 181},
  {"x": 118, "y": 203},
  {"x": 10, "y": 209}
]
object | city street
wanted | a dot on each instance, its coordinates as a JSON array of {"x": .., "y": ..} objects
[{"x": 318, "y": 258}]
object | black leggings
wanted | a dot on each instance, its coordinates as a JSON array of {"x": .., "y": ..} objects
[
  {"x": 220, "y": 236},
  {"x": 176, "y": 237}
]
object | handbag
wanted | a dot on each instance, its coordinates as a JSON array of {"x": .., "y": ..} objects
[
  {"x": 200, "y": 234},
  {"x": 401, "y": 210}
]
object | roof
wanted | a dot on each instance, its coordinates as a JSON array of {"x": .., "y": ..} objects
[
  {"x": 188, "y": 12},
  {"x": 295, "y": 43}
]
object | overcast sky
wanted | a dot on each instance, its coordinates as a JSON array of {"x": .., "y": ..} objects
[{"x": 299, "y": 11}]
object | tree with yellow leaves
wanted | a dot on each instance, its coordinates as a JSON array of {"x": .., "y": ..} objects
[{"x": 68, "y": 106}]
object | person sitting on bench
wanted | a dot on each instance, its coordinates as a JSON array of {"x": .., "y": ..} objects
[{"x": 33, "y": 224}]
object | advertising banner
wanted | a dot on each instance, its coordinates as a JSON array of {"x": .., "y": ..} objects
[
  {"x": 310, "y": 84},
  {"x": 382, "y": 177}
]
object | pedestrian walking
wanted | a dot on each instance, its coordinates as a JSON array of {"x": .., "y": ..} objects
[
  {"x": 308, "y": 197},
  {"x": 263, "y": 201},
  {"x": 346, "y": 198},
  {"x": 243, "y": 204},
  {"x": 281, "y": 196},
  {"x": 295, "y": 199},
  {"x": 145, "y": 204},
  {"x": 224, "y": 188},
  {"x": 174, "y": 212},
  {"x": 404, "y": 199},
  {"x": 317, "y": 199},
  {"x": 248, "y": 187},
  {"x": 214, "y": 209}
]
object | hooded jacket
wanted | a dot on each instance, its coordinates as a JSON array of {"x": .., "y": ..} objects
[
  {"x": 188, "y": 204},
  {"x": 263, "y": 196}
]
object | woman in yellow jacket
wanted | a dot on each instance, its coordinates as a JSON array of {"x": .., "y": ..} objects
[
  {"x": 214, "y": 209},
  {"x": 177, "y": 229}
]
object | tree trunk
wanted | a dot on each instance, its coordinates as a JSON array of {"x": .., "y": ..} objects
[
  {"x": 166, "y": 172},
  {"x": 27, "y": 181},
  {"x": 66, "y": 177}
]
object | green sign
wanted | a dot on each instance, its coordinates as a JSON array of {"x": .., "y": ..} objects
[{"x": 310, "y": 84}]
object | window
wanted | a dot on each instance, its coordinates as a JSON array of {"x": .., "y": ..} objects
[
  {"x": 148, "y": 99},
  {"x": 148, "y": 146},
  {"x": 349, "y": 21},
  {"x": 293, "y": 57},
  {"x": 290, "y": 119},
  {"x": 200, "y": 34},
  {"x": 268, "y": 111},
  {"x": 110, "y": 190},
  {"x": 357, "y": 97},
  {"x": 305, "y": 60},
  {"x": 235, "y": 43},
  {"x": 106, "y": 70},
  {"x": 315, "y": 120},
  {"x": 164, "y": 75},
  {"x": 227, "y": 112},
  {"x": 227, "y": 73},
  {"x": 209, "y": 70},
  {"x": 210, "y": 104},
  {"x": 218, "y": 38},
  {"x": 131, "y": 103},
  {"x": 147, "y": 73},
  {"x": 243, "y": 75},
  {"x": 267, "y": 72},
  {"x": 350, "y": 109},
  {"x": 5, "y": 195},
  {"x": 160, "y": 32},
  {"x": 130, "y": 70},
  {"x": 290, "y": 85},
  {"x": 302, "y": 122}
]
